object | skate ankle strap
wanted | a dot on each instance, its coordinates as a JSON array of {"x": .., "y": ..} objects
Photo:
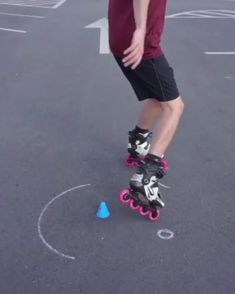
[{"x": 165, "y": 164}]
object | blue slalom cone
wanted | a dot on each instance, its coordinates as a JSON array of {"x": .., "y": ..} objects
[{"x": 103, "y": 211}]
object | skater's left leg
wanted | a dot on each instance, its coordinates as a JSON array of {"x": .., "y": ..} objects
[
  {"x": 138, "y": 145},
  {"x": 150, "y": 111}
]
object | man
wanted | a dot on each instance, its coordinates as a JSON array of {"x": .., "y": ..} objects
[{"x": 135, "y": 29}]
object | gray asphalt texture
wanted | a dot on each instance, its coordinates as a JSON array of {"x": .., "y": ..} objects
[{"x": 64, "y": 117}]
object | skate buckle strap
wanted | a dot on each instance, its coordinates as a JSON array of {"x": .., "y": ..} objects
[{"x": 165, "y": 164}]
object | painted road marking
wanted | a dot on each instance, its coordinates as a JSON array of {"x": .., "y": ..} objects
[
  {"x": 61, "y": 2},
  {"x": 204, "y": 14},
  {"x": 34, "y": 3},
  {"x": 165, "y": 234},
  {"x": 101, "y": 24},
  {"x": 13, "y": 30},
  {"x": 21, "y": 15},
  {"x": 50, "y": 247},
  {"x": 219, "y": 53}
]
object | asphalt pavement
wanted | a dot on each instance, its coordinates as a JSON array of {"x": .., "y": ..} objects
[{"x": 65, "y": 114}]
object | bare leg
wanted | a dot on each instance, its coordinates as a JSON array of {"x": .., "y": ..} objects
[
  {"x": 150, "y": 111},
  {"x": 167, "y": 125}
]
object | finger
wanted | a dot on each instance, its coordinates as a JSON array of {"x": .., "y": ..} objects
[
  {"x": 134, "y": 66},
  {"x": 130, "y": 49},
  {"x": 131, "y": 55},
  {"x": 133, "y": 60}
]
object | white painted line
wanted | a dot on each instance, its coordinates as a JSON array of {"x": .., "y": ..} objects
[
  {"x": 40, "y": 221},
  {"x": 219, "y": 53},
  {"x": 101, "y": 24},
  {"x": 229, "y": 14},
  {"x": 218, "y": 13},
  {"x": 187, "y": 17},
  {"x": 21, "y": 15},
  {"x": 198, "y": 15},
  {"x": 165, "y": 234},
  {"x": 26, "y": 5},
  {"x": 61, "y": 2},
  {"x": 222, "y": 14},
  {"x": 13, "y": 30},
  {"x": 34, "y": 3}
]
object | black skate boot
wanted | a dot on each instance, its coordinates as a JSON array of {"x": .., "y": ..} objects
[
  {"x": 144, "y": 194},
  {"x": 137, "y": 147}
]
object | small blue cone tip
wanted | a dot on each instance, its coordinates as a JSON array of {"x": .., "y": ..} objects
[{"x": 103, "y": 211}]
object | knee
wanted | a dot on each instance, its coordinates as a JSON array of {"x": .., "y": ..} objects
[
  {"x": 174, "y": 107},
  {"x": 153, "y": 103},
  {"x": 180, "y": 106}
]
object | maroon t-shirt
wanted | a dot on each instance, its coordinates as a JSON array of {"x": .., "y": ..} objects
[{"x": 122, "y": 26}]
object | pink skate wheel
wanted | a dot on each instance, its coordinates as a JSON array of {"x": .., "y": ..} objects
[
  {"x": 154, "y": 215},
  {"x": 124, "y": 196},
  {"x": 133, "y": 205},
  {"x": 143, "y": 211}
]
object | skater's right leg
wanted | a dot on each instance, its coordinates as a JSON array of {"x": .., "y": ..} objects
[
  {"x": 153, "y": 80},
  {"x": 145, "y": 180},
  {"x": 166, "y": 126}
]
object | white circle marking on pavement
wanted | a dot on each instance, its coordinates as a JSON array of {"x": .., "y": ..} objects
[
  {"x": 165, "y": 234},
  {"x": 40, "y": 220}
]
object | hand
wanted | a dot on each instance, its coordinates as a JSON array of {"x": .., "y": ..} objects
[{"x": 135, "y": 52}]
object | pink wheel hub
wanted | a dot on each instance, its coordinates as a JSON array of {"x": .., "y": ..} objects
[
  {"x": 124, "y": 196},
  {"x": 143, "y": 211},
  {"x": 133, "y": 205},
  {"x": 154, "y": 216}
]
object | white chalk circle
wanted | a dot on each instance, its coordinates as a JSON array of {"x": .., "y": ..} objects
[
  {"x": 40, "y": 220},
  {"x": 165, "y": 234}
]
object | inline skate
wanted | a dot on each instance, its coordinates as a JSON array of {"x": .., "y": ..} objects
[
  {"x": 143, "y": 194},
  {"x": 138, "y": 147}
]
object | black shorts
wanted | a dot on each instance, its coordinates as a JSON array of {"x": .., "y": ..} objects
[{"x": 153, "y": 78}]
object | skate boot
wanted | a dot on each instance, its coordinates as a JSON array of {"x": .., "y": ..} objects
[
  {"x": 143, "y": 194},
  {"x": 137, "y": 147}
]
